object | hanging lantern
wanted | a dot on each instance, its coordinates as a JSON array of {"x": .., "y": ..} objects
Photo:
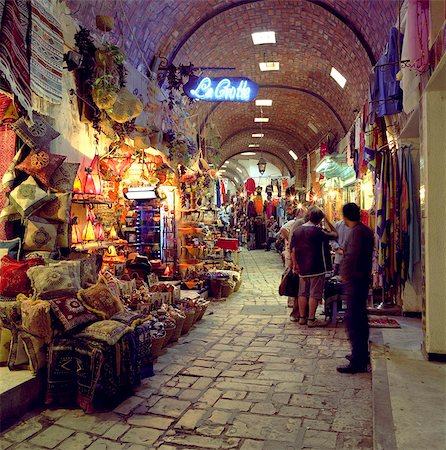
[
  {"x": 88, "y": 232},
  {"x": 261, "y": 165},
  {"x": 112, "y": 235},
  {"x": 77, "y": 186},
  {"x": 90, "y": 187},
  {"x": 111, "y": 251},
  {"x": 99, "y": 231},
  {"x": 76, "y": 236}
]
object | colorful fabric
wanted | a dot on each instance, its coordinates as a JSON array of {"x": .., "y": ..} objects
[
  {"x": 9, "y": 213},
  {"x": 9, "y": 175},
  {"x": 11, "y": 248},
  {"x": 36, "y": 318},
  {"x": 70, "y": 312},
  {"x": 41, "y": 165},
  {"x": 40, "y": 235},
  {"x": 47, "y": 49},
  {"x": 13, "y": 278},
  {"x": 57, "y": 209},
  {"x": 63, "y": 177},
  {"x": 14, "y": 64},
  {"x": 89, "y": 275},
  {"x": 108, "y": 331}
]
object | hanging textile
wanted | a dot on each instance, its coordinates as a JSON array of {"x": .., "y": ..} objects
[
  {"x": 218, "y": 193},
  {"x": 14, "y": 64},
  {"x": 47, "y": 49},
  {"x": 250, "y": 186}
]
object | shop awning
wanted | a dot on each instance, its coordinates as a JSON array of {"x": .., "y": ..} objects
[{"x": 335, "y": 166}]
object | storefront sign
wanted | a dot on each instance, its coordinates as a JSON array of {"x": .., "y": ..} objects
[{"x": 221, "y": 89}]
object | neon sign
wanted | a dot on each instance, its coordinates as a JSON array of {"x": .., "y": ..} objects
[{"x": 221, "y": 89}]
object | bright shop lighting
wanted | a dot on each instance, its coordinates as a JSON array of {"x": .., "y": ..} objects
[
  {"x": 239, "y": 170},
  {"x": 257, "y": 135},
  {"x": 261, "y": 119},
  {"x": 293, "y": 155},
  {"x": 313, "y": 127},
  {"x": 264, "y": 102},
  {"x": 299, "y": 205},
  {"x": 263, "y": 37},
  {"x": 269, "y": 66},
  {"x": 236, "y": 179},
  {"x": 253, "y": 145},
  {"x": 340, "y": 79},
  {"x": 248, "y": 153},
  {"x": 222, "y": 170}
]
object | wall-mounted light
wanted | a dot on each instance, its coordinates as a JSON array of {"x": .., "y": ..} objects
[
  {"x": 261, "y": 165},
  {"x": 264, "y": 102},
  {"x": 248, "y": 154},
  {"x": 263, "y": 37},
  {"x": 257, "y": 135},
  {"x": 268, "y": 66},
  {"x": 293, "y": 155},
  {"x": 261, "y": 119},
  {"x": 338, "y": 77}
]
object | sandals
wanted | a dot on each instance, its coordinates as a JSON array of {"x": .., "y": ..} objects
[
  {"x": 302, "y": 320},
  {"x": 316, "y": 323}
]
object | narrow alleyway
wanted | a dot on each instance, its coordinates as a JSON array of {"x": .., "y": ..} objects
[{"x": 244, "y": 377}]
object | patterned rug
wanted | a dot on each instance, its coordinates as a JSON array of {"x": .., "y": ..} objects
[
  {"x": 47, "y": 46},
  {"x": 14, "y": 30},
  {"x": 383, "y": 322}
]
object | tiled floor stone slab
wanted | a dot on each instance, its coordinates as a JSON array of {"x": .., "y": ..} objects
[{"x": 245, "y": 377}]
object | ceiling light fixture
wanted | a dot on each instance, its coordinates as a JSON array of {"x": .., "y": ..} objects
[
  {"x": 269, "y": 65},
  {"x": 254, "y": 145},
  {"x": 239, "y": 170},
  {"x": 263, "y": 37},
  {"x": 339, "y": 78},
  {"x": 222, "y": 170},
  {"x": 261, "y": 165},
  {"x": 313, "y": 127},
  {"x": 264, "y": 102},
  {"x": 236, "y": 179},
  {"x": 257, "y": 135},
  {"x": 293, "y": 155},
  {"x": 248, "y": 154},
  {"x": 261, "y": 119}
]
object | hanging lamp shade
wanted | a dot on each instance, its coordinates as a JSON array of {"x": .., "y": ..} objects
[
  {"x": 111, "y": 251},
  {"x": 76, "y": 235},
  {"x": 77, "y": 186},
  {"x": 112, "y": 235},
  {"x": 99, "y": 231},
  {"x": 88, "y": 232},
  {"x": 261, "y": 165},
  {"x": 90, "y": 187}
]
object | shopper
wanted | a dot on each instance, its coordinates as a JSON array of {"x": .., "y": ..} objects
[
  {"x": 271, "y": 232},
  {"x": 355, "y": 270},
  {"x": 311, "y": 259},
  {"x": 338, "y": 245},
  {"x": 286, "y": 232}
]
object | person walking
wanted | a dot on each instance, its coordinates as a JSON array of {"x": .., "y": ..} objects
[
  {"x": 338, "y": 245},
  {"x": 355, "y": 271},
  {"x": 311, "y": 259}
]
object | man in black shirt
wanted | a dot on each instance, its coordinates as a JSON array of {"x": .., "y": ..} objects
[{"x": 355, "y": 270}]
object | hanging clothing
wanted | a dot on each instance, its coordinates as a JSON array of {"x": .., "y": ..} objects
[
  {"x": 218, "y": 193},
  {"x": 258, "y": 204},
  {"x": 250, "y": 186}
]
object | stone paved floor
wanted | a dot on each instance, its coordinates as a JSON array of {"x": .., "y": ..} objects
[{"x": 244, "y": 378}]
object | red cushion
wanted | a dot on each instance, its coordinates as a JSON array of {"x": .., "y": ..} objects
[{"x": 13, "y": 278}]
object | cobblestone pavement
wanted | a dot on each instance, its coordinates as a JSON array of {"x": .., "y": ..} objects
[{"x": 244, "y": 378}]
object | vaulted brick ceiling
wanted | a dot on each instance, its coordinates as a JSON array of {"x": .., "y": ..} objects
[{"x": 312, "y": 36}]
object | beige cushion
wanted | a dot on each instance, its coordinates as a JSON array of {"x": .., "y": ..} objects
[
  {"x": 40, "y": 235},
  {"x": 57, "y": 209}
]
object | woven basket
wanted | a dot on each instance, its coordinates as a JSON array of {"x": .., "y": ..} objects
[
  {"x": 216, "y": 287},
  {"x": 157, "y": 345},
  {"x": 177, "y": 331},
  {"x": 197, "y": 313},
  {"x": 202, "y": 311},
  {"x": 237, "y": 285},
  {"x": 169, "y": 333},
  {"x": 190, "y": 317}
]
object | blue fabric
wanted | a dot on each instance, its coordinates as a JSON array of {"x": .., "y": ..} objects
[{"x": 217, "y": 190}]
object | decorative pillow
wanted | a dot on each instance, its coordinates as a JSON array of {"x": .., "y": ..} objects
[
  {"x": 40, "y": 235},
  {"x": 63, "y": 178},
  {"x": 13, "y": 278},
  {"x": 9, "y": 176},
  {"x": 89, "y": 274},
  {"x": 129, "y": 318},
  {"x": 36, "y": 318},
  {"x": 10, "y": 313},
  {"x": 46, "y": 256},
  {"x": 29, "y": 197},
  {"x": 57, "y": 209},
  {"x": 18, "y": 359},
  {"x": 9, "y": 213},
  {"x": 55, "y": 280},
  {"x": 41, "y": 165},
  {"x": 112, "y": 282},
  {"x": 40, "y": 134},
  {"x": 71, "y": 313},
  {"x": 11, "y": 248},
  {"x": 64, "y": 236},
  {"x": 101, "y": 300},
  {"x": 35, "y": 349},
  {"x": 5, "y": 345},
  {"x": 108, "y": 331}
]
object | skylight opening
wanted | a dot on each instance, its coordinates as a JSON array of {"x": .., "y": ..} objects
[
  {"x": 264, "y": 102},
  {"x": 338, "y": 77},
  {"x": 293, "y": 155},
  {"x": 269, "y": 65},
  {"x": 261, "y": 119},
  {"x": 264, "y": 37}
]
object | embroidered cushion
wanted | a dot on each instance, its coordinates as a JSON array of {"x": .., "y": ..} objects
[
  {"x": 129, "y": 318},
  {"x": 101, "y": 300},
  {"x": 108, "y": 331},
  {"x": 9, "y": 176},
  {"x": 46, "y": 256},
  {"x": 10, "y": 313},
  {"x": 11, "y": 248},
  {"x": 57, "y": 209},
  {"x": 13, "y": 278},
  {"x": 89, "y": 274},
  {"x": 5, "y": 345},
  {"x": 40, "y": 235},
  {"x": 28, "y": 197},
  {"x": 27, "y": 351},
  {"x": 40, "y": 134},
  {"x": 70, "y": 312},
  {"x": 64, "y": 236},
  {"x": 63, "y": 177},
  {"x": 55, "y": 280},
  {"x": 36, "y": 318},
  {"x": 9, "y": 213},
  {"x": 41, "y": 165}
]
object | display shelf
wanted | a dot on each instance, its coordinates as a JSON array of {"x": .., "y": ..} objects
[
  {"x": 93, "y": 245},
  {"x": 86, "y": 201}
]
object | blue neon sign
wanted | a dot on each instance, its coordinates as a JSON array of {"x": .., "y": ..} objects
[{"x": 228, "y": 89}]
